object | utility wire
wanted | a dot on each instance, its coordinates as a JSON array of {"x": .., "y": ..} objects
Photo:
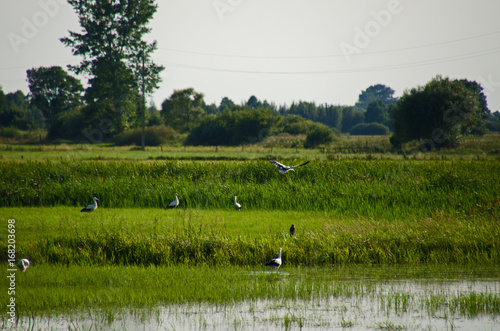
[
  {"x": 326, "y": 55},
  {"x": 341, "y": 71}
]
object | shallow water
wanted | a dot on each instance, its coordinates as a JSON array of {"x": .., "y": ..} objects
[{"x": 362, "y": 304}]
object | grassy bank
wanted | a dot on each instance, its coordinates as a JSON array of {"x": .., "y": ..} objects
[
  {"x": 156, "y": 237},
  {"x": 381, "y": 189}
]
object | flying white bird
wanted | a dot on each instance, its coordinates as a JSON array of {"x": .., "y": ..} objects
[
  {"x": 236, "y": 205},
  {"x": 91, "y": 207},
  {"x": 174, "y": 203},
  {"x": 276, "y": 262},
  {"x": 23, "y": 264},
  {"x": 283, "y": 169}
]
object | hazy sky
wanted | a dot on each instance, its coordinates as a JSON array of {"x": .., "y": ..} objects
[{"x": 326, "y": 51}]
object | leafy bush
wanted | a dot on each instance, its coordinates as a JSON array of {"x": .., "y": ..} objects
[
  {"x": 440, "y": 113},
  {"x": 67, "y": 125},
  {"x": 371, "y": 129},
  {"x": 155, "y": 136},
  {"x": 10, "y": 132},
  {"x": 320, "y": 134},
  {"x": 236, "y": 126}
]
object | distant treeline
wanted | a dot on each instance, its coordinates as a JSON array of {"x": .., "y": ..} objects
[{"x": 185, "y": 118}]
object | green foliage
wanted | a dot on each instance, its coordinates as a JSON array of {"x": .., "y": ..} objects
[
  {"x": 326, "y": 114},
  {"x": 15, "y": 111},
  {"x": 67, "y": 125},
  {"x": 225, "y": 103},
  {"x": 376, "y": 92},
  {"x": 440, "y": 114},
  {"x": 110, "y": 96},
  {"x": 155, "y": 136},
  {"x": 296, "y": 124},
  {"x": 53, "y": 91},
  {"x": 493, "y": 122},
  {"x": 149, "y": 237},
  {"x": 350, "y": 117},
  {"x": 183, "y": 110},
  {"x": 370, "y": 188},
  {"x": 111, "y": 45},
  {"x": 237, "y": 126},
  {"x": 376, "y": 112},
  {"x": 371, "y": 129},
  {"x": 319, "y": 134}
]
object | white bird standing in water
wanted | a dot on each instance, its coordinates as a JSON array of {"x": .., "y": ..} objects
[
  {"x": 91, "y": 207},
  {"x": 276, "y": 262},
  {"x": 174, "y": 203},
  {"x": 236, "y": 205},
  {"x": 283, "y": 169},
  {"x": 23, "y": 264}
]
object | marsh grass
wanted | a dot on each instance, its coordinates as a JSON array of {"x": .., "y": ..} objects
[
  {"x": 155, "y": 237},
  {"x": 382, "y": 188},
  {"x": 112, "y": 290}
]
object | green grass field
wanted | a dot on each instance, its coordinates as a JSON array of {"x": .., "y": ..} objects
[
  {"x": 351, "y": 214},
  {"x": 116, "y": 236},
  {"x": 344, "y": 147}
]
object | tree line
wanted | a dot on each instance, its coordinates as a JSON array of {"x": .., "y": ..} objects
[{"x": 117, "y": 61}]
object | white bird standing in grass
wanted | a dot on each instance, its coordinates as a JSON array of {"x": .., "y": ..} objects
[
  {"x": 23, "y": 264},
  {"x": 276, "y": 262},
  {"x": 91, "y": 207},
  {"x": 174, "y": 203},
  {"x": 283, "y": 169},
  {"x": 236, "y": 205}
]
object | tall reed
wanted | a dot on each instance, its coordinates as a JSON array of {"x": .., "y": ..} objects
[{"x": 370, "y": 188}]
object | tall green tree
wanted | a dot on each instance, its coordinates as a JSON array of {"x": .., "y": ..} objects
[
  {"x": 350, "y": 117},
  {"x": 15, "y": 112},
  {"x": 53, "y": 91},
  {"x": 226, "y": 103},
  {"x": 253, "y": 102},
  {"x": 113, "y": 50},
  {"x": 438, "y": 114},
  {"x": 183, "y": 109},
  {"x": 376, "y": 112},
  {"x": 376, "y": 92}
]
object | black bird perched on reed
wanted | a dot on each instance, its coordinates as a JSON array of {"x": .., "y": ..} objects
[{"x": 292, "y": 230}]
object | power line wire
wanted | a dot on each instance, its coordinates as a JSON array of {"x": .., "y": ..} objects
[
  {"x": 325, "y": 55},
  {"x": 341, "y": 71}
]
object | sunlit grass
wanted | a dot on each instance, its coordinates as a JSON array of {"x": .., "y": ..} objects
[
  {"x": 383, "y": 188},
  {"x": 113, "y": 236},
  {"x": 344, "y": 147}
]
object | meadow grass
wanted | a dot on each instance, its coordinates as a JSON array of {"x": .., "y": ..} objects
[
  {"x": 344, "y": 147},
  {"x": 112, "y": 236},
  {"x": 381, "y": 189},
  {"x": 356, "y": 218}
]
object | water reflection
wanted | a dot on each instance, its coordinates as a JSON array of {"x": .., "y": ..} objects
[{"x": 360, "y": 304}]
